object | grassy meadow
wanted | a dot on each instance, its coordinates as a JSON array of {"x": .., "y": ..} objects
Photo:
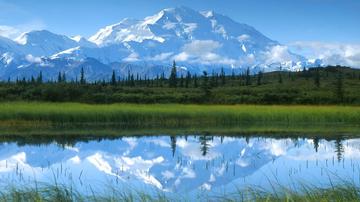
[{"x": 235, "y": 118}]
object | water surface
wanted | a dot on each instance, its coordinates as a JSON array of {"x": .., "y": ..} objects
[{"x": 181, "y": 165}]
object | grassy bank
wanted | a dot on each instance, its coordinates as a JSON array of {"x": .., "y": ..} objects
[
  {"x": 345, "y": 193},
  {"x": 250, "y": 118}
]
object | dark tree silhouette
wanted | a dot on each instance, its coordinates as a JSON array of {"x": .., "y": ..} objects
[
  {"x": 204, "y": 142},
  {"x": 339, "y": 149},
  {"x": 316, "y": 144},
  {"x": 82, "y": 76},
  {"x": 172, "y": 78},
  {"x": 173, "y": 144},
  {"x": 247, "y": 77},
  {"x": 113, "y": 78},
  {"x": 40, "y": 78}
]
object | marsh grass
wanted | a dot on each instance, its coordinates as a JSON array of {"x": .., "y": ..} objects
[
  {"x": 129, "y": 116},
  {"x": 345, "y": 192},
  {"x": 61, "y": 193}
]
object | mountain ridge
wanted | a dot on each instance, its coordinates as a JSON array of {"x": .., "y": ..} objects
[{"x": 197, "y": 41}]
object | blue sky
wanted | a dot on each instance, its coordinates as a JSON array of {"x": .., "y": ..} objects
[{"x": 287, "y": 21}]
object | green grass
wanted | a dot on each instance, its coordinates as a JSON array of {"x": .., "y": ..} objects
[
  {"x": 56, "y": 193},
  {"x": 237, "y": 118}
]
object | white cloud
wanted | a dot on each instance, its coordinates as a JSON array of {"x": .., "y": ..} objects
[
  {"x": 15, "y": 31},
  {"x": 330, "y": 53},
  {"x": 8, "y": 32},
  {"x": 201, "y": 47},
  {"x": 133, "y": 57},
  {"x": 183, "y": 56},
  {"x": 278, "y": 54},
  {"x": 32, "y": 59},
  {"x": 203, "y": 52},
  {"x": 161, "y": 57}
]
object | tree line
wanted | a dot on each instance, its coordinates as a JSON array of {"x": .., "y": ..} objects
[{"x": 318, "y": 85}]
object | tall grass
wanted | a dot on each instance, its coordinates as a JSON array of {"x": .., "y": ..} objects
[
  {"x": 175, "y": 115},
  {"x": 345, "y": 193}
]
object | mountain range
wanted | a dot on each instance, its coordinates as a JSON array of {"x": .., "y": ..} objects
[{"x": 197, "y": 41}]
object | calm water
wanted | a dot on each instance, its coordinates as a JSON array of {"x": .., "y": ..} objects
[{"x": 181, "y": 165}]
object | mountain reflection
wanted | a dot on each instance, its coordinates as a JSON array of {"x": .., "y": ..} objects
[{"x": 181, "y": 164}]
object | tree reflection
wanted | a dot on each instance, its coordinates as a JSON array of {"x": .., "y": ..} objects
[
  {"x": 204, "y": 142},
  {"x": 173, "y": 144},
  {"x": 339, "y": 148},
  {"x": 316, "y": 144}
]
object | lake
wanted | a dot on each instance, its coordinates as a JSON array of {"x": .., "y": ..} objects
[{"x": 180, "y": 165}]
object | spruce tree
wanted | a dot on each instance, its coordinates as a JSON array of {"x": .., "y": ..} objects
[
  {"x": 187, "y": 80},
  {"x": 248, "y": 78},
  {"x": 82, "y": 76},
  {"x": 113, "y": 78},
  {"x": 172, "y": 78},
  {"x": 40, "y": 78},
  {"x": 59, "y": 78},
  {"x": 223, "y": 77}
]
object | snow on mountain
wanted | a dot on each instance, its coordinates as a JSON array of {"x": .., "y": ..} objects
[
  {"x": 45, "y": 43},
  {"x": 117, "y": 33},
  {"x": 198, "y": 41},
  {"x": 7, "y": 45},
  {"x": 83, "y": 42},
  {"x": 191, "y": 38}
]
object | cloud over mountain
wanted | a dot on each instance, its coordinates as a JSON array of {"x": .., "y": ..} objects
[{"x": 330, "y": 53}]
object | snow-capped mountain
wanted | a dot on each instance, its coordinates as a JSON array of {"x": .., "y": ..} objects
[
  {"x": 44, "y": 43},
  {"x": 196, "y": 40},
  {"x": 189, "y": 37}
]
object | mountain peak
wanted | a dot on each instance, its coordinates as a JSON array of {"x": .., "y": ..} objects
[
  {"x": 104, "y": 35},
  {"x": 37, "y": 36},
  {"x": 187, "y": 36}
]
